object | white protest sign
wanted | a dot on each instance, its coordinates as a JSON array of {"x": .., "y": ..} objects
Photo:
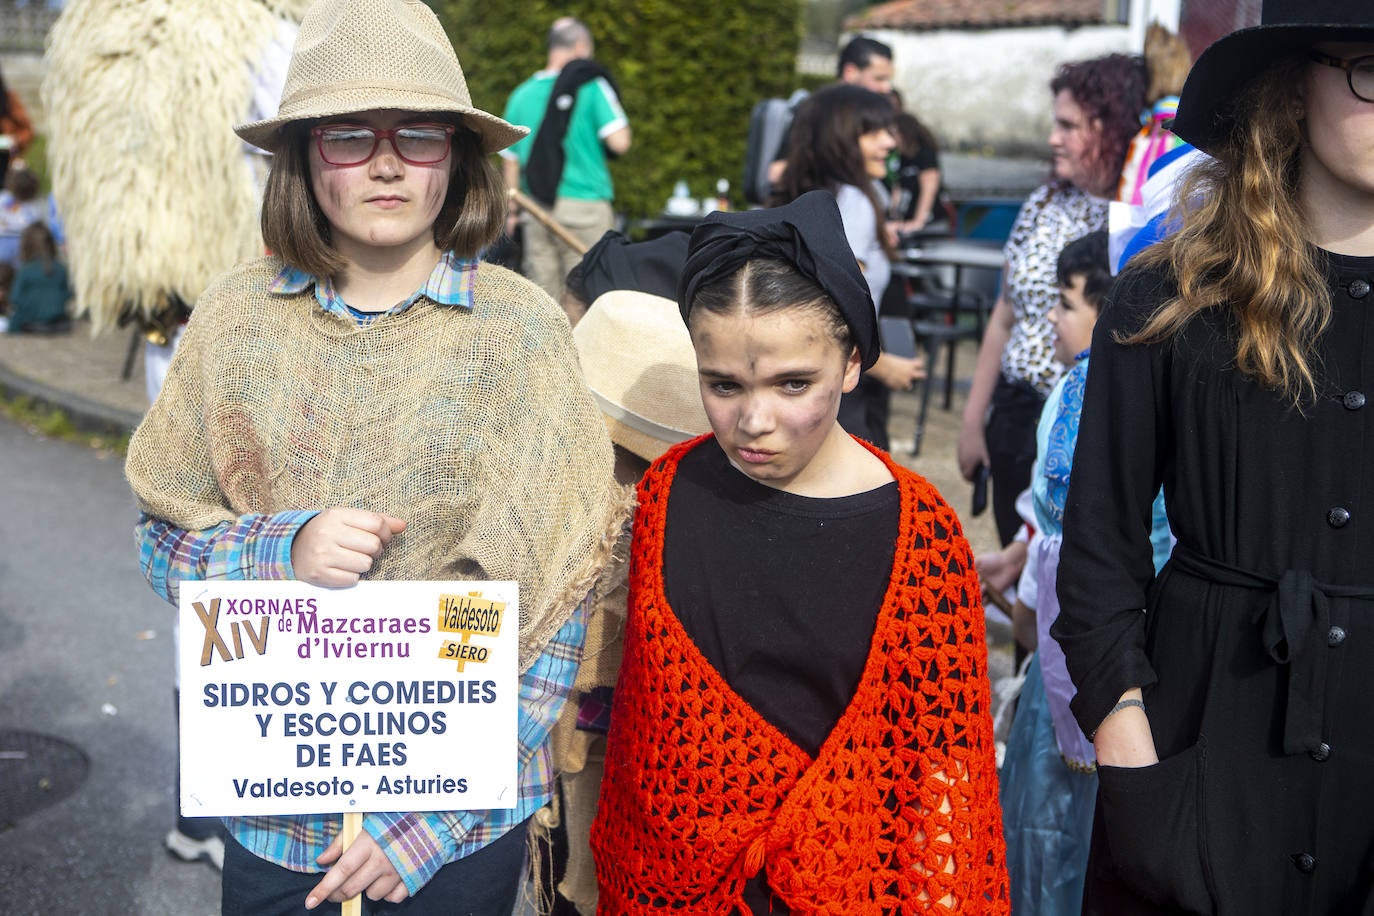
[{"x": 387, "y": 696}]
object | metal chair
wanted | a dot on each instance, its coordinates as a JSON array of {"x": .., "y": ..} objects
[{"x": 949, "y": 286}]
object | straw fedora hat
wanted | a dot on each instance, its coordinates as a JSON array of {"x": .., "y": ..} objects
[
  {"x": 1206, "y": 107},
  {"x": 639, "y": 363},
  {"x": 364, "y": 55}
]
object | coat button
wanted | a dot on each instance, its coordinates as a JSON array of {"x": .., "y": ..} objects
[
  {"x": 1321, "y": 752},
  {"x": 1335, "y": 636},
  {"x": 1353, "y": 400},
  {"x": 1305, "y": 862},
  {"x": 1359, "y": 289},
  {"x": 1338, "y": 517}
]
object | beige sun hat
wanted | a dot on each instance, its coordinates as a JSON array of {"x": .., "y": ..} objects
[
  {"x": 363, "y": 55},
  {"x": 639, "y": 363}
]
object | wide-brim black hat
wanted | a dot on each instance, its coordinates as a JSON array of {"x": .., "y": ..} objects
[{"x": 1206, "y": 107}]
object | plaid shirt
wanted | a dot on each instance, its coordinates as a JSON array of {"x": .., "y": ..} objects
[
  {"x": 259, "y": 547},
  {"x": 449, "y": 284}
]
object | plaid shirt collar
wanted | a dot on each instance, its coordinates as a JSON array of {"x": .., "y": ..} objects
[{"x": 450, "y": 283}]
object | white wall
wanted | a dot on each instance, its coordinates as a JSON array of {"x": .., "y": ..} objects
[
  {"x": 988, "y": 90},
  {"x": 1166, "y": 12}
]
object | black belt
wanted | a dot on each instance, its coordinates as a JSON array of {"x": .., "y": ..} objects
[{"x": 1294, "y": 626}]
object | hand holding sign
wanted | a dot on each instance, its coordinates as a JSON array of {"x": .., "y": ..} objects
[
  {"x": 337, "y": 546},
  {"x": 359, "y": 867}
]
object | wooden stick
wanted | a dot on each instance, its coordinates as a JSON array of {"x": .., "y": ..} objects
[
  {"x": 546, "y": 219},
  {"x": 352, "y": 826},
  {"x": 997, "y": 598}
]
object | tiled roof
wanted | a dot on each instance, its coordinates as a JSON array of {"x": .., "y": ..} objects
[{"x": 947, "y": 14}]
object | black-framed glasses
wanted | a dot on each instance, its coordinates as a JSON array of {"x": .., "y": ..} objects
[
  {"x": 1359, "y": 72},
  {"x": 354, "y": 144}
]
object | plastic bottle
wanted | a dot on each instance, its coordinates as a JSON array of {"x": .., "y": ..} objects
[
  {"x": 722, "y": 195},
  {"x": 681, "y": 203}
]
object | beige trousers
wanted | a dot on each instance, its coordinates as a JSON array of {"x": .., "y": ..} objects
[{"x": 547, "y": 257}]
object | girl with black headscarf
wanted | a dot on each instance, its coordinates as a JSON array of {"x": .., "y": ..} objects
[{"x": 802, "y": 716}]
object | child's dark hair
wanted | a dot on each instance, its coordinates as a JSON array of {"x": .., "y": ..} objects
[
  {"x": 36, "y": 243},
  {"x": 1087, "y": 257},
  {"x": 770, "y": 285},
  {"x": 22, "y": 183}
]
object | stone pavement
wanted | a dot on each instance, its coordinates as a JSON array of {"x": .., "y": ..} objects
[{"x": 79, "y": 373}]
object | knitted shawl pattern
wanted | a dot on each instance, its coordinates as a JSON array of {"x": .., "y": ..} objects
[
  {"x": 473, "y": 426},
  {"x": 899, "y": 811}
]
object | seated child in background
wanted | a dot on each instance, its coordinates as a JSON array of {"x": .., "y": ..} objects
[
  {"x": 20, "y": 207},
  {"x": 1048, "y": 780},
  {"x": 41, "y": 290},
  {"x": 802, "y": 715}
]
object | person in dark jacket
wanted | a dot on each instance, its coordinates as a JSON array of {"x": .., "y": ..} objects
[{"x": 1231, "y": 718}]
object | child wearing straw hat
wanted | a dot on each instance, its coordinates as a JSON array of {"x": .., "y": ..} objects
[
  {"x": 641, "y": 370},
  {"x": 371, "y": 401},
  {"x": 801, "y": 721}
]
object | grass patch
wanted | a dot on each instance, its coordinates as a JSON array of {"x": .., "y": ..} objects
[{"x": 53, "y": 423}]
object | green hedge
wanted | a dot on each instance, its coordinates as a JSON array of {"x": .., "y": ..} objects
[{"x": 689, "y": 75}]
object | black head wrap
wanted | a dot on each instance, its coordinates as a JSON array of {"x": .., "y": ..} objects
[
  {"x": 615, "y": 262},
  {"x": 809, "y": 235}
]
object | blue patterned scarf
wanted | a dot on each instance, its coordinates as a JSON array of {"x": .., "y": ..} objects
[{"x": 1064, "y": 436}]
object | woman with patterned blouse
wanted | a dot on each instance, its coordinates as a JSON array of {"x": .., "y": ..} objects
[{"x": 1096, "y": 112}]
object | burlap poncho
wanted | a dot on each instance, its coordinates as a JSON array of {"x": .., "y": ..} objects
[{"x": 474, "y": 427}]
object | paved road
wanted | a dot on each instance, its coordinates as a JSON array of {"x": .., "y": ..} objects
[{"x": 85, "y": 657}]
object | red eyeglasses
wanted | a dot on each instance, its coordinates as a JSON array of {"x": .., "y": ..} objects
[{"x": 354, "y": 144}]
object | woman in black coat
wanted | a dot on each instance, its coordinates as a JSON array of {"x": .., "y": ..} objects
[{"x": 1234, "y": 719}]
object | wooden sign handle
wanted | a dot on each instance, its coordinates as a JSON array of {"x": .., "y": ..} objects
[{"x": 352, "y": 826}]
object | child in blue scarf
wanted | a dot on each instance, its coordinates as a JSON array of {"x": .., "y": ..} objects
[{"x": 1048, "y": 779}]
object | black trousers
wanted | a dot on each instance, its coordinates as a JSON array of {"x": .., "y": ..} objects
[{"x": 1010, "y": 437}]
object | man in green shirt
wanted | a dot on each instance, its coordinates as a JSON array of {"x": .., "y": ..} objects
[{"x": 593, "y": 124}]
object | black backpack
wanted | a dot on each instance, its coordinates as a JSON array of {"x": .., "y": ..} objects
[
  {"x": 769, "y": 123},
  {"x": 544, "y": 169}
]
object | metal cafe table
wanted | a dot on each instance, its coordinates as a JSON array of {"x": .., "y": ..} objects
[{"x": 951, "y": 285}]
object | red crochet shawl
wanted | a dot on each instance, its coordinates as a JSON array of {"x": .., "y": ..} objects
[{"x": 898, "y": 812}]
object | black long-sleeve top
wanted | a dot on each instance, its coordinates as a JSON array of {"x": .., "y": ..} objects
[{"x": 1249, "y": 480}]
